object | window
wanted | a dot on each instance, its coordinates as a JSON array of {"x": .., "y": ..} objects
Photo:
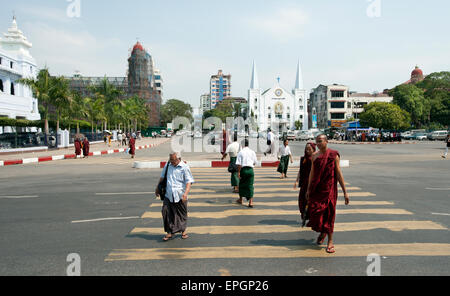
[
  {"x": 301, "y": 117},
  {"x": 337, "y": 115},
  {"x": 1, "y": 60},
  {"x": 269, "y": 116},
  {"x": 12, "y": 89},
  {"x": 337, "y": 93},
  {"x": 11, "y": 64},
  {"x": 338, "y": 105},
  {"x": 1, "y": 85},
  {"x": 349, "y": 105}
]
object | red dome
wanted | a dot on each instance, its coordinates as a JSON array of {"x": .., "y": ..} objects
[
  {"x": 417, "y": 72},
  {"x": 138, "y": 46}
]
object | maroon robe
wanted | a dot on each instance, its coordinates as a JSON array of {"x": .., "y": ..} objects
[
  {"x": 132, "y": 145},
  {"x": 323, "y": 193},
  {"x": 305, "y": 170},
  {"x": 86, "y": 147},
  {"x": 77, "y": 145}
]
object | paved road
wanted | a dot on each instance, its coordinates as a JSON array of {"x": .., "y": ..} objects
[{"x": 400, "y": 209}]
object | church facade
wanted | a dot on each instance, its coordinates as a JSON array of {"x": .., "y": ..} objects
[{"x": 277, "y": 107}]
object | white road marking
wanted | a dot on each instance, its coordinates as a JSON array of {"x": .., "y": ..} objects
[
  {"x": 124, "y": 193},
  {"x": 106, "y": 219},
  {"x": 440, "y": 214},
  {"x": 437, "y": 188},
  {"x": 17, "y": 197}
]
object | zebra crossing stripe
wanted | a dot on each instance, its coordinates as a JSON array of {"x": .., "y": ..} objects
[
  {"x": 292, "y": 251},
  {"x": 294, "y": 228},
  {"x": 273, "y": 212}
]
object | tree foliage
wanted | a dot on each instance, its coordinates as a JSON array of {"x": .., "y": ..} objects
[
  {"x": 384, "y": 115},
  {"x": 173, "y": 108}
]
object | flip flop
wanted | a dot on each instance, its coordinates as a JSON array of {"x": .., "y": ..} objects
[
  {"x": 331, "y": 250},
  {"x": 321, "y": 239},
  {"x": 184, "y": 236},
  {"x": 167, "y": 238},
  {"x": 250, "y": 206}
]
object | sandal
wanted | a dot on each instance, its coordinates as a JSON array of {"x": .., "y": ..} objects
[
  {"x": 166, "y": 238},
  {"x": 331, "y": 250},
  {"x": 239, "y": 201},
  {"x": 321, "y": 239},
  {"x": 184, "y": 236}
]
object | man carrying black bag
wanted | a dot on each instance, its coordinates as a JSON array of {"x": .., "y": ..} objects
[
  {"x": 178, "y": 178},
  {"x": 233, "y": 149}
]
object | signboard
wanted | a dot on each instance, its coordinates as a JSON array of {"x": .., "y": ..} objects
[
  {"x": 337, "y": 123},
  {"x": 314, "y": 121}
]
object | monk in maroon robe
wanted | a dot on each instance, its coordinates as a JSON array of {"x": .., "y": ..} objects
[
  {"x": 132, "y": 145},
  {"x": 86, "y": 147},
  {"x": 77, "y": 144},
  {"x": 322, "y": 191},
  {"x": 303, "y": 178}
]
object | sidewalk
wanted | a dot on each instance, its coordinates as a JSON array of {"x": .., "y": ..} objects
[
  {"x": 367, "y": 143},
  {"x": 96, "y": 149}
]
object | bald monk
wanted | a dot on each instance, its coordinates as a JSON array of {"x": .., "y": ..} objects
[
  {"x": 322, "y": 191},
  {"x": 77, "y": 144}
]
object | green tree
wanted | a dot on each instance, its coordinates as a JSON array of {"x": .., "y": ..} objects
[
  {"x": 173, "y": 108},
  {"x": 60, "y": 97},
  {"x": 111, "y": 97},
  {"x": 411, "y": 98},
  {"x": 437, "y": 91},
  {"x": 298, "y": 124},
  {"x": 384, "y": 115}
]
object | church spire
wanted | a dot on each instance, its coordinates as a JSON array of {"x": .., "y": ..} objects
[
  {"x": 254, "y": 84},
  {"x": 299, "y": 78}
]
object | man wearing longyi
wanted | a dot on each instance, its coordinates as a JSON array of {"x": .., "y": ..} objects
[{"x": 322, "y": 191}]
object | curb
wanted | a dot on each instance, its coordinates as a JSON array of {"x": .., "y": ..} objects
[
  {"x": 215, "y": 164},
  {"x": 68, "y": 156},
  {"x": 371, "y": 143}
]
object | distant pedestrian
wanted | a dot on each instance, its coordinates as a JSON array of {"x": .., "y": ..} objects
[
  {"x": 322, "y": 191},
  {"x": 132, "y": 146},
  {"x": 174, "y": 210},
  {"x": 447, "y": 142},
  {"x": 303, "y": 179},
  {"x": 85, "y": 147},
  {"x": 77, "y": 144},
  {"x": 109, "y": 140},
  {"x": 285, "y": 156},
  {"x": 246, "y": 160},
  {"x": 233, "y": 149},
  {"x": 124, "y": 139},
  {"x": 270, "y": 142},
  {"x": 119, "y": 139}
]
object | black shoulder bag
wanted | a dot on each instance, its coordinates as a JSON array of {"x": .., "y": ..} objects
[{"x": 163, "y": 184}]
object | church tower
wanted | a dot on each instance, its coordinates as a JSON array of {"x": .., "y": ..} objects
[
  {"x": 300, "y": 100},
  {"x": 254, "y": 97}
]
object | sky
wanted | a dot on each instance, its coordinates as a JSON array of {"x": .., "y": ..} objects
[{"x": 368, "y": 45}]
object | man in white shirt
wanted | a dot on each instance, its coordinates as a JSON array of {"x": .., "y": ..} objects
[
  {"x": 174, "y": 210},
  {"x": 233, "y": 149},
  {"x": 246, "y": 160},
  {"x": 270, "y": 142},
  {"x": 285, "y": 153}
]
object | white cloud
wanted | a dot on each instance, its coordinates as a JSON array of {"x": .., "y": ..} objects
[{"x": 284, "y": 24}]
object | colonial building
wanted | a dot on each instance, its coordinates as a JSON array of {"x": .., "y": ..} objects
[
  {"x": 333, "y": 105},
  {"x": 16, "y": 62},
  {"x": 278, "y": 107},
  {"x": 143, "y": 80}
]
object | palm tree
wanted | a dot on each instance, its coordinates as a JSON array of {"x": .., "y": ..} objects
[
  {"x": 41, "y": 88},
  {"x": 110, "y": 96},
  {"x": 78, "y": 109},
  {"x": 60, "y": 97}
]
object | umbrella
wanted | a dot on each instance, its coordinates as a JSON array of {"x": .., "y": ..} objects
[{"x": 107, "y": 131}]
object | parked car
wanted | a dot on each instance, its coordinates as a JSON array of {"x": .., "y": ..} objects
[
  {"x": 419, "y": 136},
  {"x": 438, "y": 135},
  {"x": 306, "y": 136},
  {"x": 290, "y": 135},
  {"x": 407, "y": 135}
]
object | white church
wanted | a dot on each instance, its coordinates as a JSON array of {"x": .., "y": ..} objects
[
  {"x": 277, "y": 107},
  {"x": 16, "y": 100}
]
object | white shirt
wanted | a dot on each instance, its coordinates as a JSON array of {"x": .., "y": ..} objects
[
  {"x": 285, "y": 150},
  {"x": 270, "y": 136},
  {"x": 177, "y": 178},
  {"x": 246, "y": 158},
  {"x": 233, "y": 149}
]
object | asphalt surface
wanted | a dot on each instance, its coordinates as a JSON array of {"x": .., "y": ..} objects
[{"x": 39, "y": 204}]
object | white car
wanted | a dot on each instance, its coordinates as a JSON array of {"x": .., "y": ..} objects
[{"x": 290, "y": 135}]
